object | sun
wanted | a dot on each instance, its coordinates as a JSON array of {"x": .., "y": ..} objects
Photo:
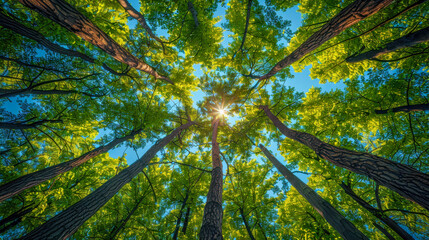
[{"x": 222, "y": 111}]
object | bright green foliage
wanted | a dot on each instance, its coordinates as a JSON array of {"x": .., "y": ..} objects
[{"x": 170, "y": 194}]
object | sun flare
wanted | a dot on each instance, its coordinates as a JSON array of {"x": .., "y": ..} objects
[{"x": 222, "y": 111}]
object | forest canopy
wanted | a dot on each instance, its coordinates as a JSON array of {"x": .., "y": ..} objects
[{"x": 133, "y": 119}]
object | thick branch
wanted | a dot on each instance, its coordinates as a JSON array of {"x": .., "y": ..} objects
[
  {"x": 409, "y": 108},
  {"x": 350, "y": 15},
  {"x": 14, "y": 92},
  {"x": 18, "y": 125},
  {"x": 403, "y": 179},
  {"x": 18, "y": 185},
  {"x": 249, "y": 8},
  {"x": 68, "y": 17},
  {"x": 194, "y": 12},
  {"x": 68, "y": 221},
  {"x": 408, "y": 40},
  {"x": 17, "y": 27}
]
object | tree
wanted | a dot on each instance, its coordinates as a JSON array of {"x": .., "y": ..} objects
[{"x": 87, "y": 84}]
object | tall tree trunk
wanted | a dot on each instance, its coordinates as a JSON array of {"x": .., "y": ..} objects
[
  {"x": 14, "y": 219},
  {"x": 377, "y": 213},
  {"x": 194, "y": 12},
  {"x": 185, "y": 223},
  {"x": 350, "y": 15},
  {"x": 246, "y": 224},
  {"x": 249, "y": 8},
  {"x": 179, "y": 218},
  {"x": 408, "y": 108},
  {"x": 408, "y": 40},
  {"x": 343, "y": 226},
  {"x": 124, "y": 221},
  {"x": 17, "y": 27},
  {"x": 211, "y": 228},
  {"x": 384, "y": 231},
  {"x": 18, "y": 185},
  {"x": 67, "y": 222},
  {"x": 68, "y": 17},
  {"x": 403, "y": 179}
]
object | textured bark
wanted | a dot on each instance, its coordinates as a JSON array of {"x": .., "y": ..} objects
[
  {"x": 403, "y": 179},
  {"x": 194, "y": 12},
  {"x": 409, "y": 108},
  {"x": 350, "y": 15},
  {"x": 384, "y": 231},
  {"x": 179, "y": 218},
  {"x": 140, "y": 18},
  {"x": 17, "y": 27},
  {"x": 21, "y": 125},
  {"x": 14, "y": 219},
  {"x": 408, "y": 40},
  {"x": 18, "y": 185},
  {"x": 249, "y": 8},
  {"x": 377, "y": 213},
  {"x": 68, "y": 17},
  {"x": 246, "y": 224},
  {"x": 124, "y": 221},
  {"x": 67, "y": 222},
  {"x": 211, "y": 228},
  {"x": 14, "y": 92},
  {"x": 343, "y": 226},
  {"x": 185, "y": 223}
]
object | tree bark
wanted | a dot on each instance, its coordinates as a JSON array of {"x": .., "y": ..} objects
[
  {"x": 18, "y": 185},
  {"x": 179, "y": 218},
  {"x": 22, "y": 30},
  {"x": 246, "y": 224},
  {"x": 140, "y": 18},
  {"x": 211, "y": 228},
  {"x": 14, "y": 219},
  {"x": 116, "y": 230},
  {"x": 185, "y": 223},
  {"x": 408, "y": 40},
  {"x": 350, "y": 15},
  {"x": 403, "y": 179},
  {"x": 343, "y": 226},
  {"x": 249, "y": 8},
  {"x": 409, "y": 108},
  {"x": 68, "y": 17},
  {"x": 377, "y": 213},
  {"x": 67, "y": 222},
  {"x": 384, "y": 231},
  {"x": 194, "y": 12}
]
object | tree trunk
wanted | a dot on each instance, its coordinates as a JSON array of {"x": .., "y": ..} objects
[
  {"x": 67, "y": 222},
  {"x": 185, "y": 223},
  {"x": 403, "y": 179},
  {"x": 18, "y": 185},
  {"x": 246, "y": 224},
  {"x": 179, "y": 218},
  {"x": 343, "y": 226},
  {"x": 384, "y": 231},
  {"x": 68, "y": 17},
  {"x": 211, "y": 228},
  {"x": 116, "y": 230},
  {"x": 353, "y": 13},
  {"x": 377, "y": 213},
  {"x": 17, "y": 27},
  {"x": 14, "y": 219},
  {"x": 408, "y": 40},
  {"x": 194, "y": 12},
  {"x": 409, "y": 108}
]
